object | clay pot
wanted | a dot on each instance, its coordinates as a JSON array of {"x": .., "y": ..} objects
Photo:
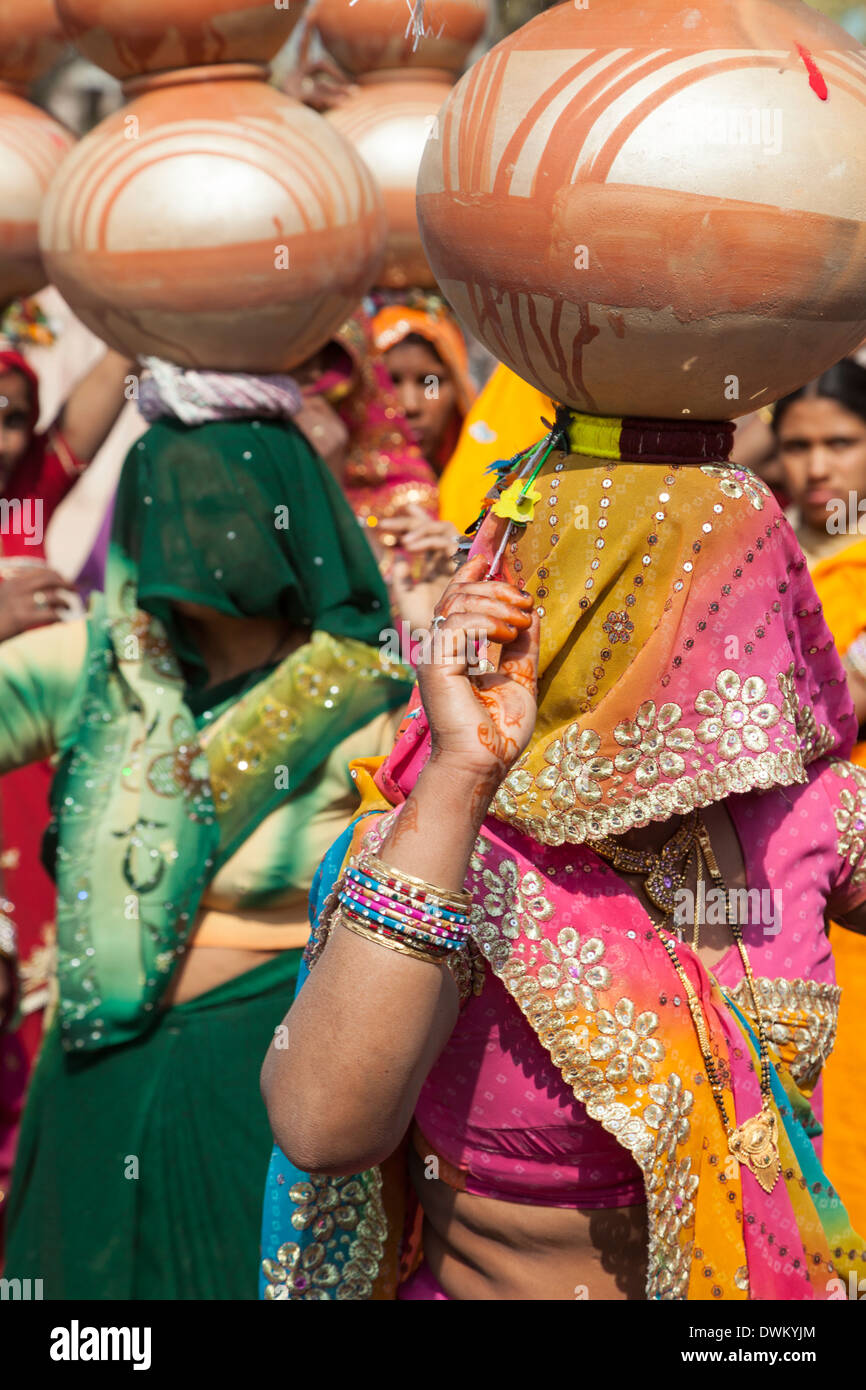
[
  {"x": 214, "y": 222},
  {"x": 129, "y": 37},
  {"x": 371, "y": 34},
  {"x": 652, "y": 210},
  {"x": 31, "y": 40},
  {"x": 388, "y": 123},
  {"x": 32, "y": 148}
]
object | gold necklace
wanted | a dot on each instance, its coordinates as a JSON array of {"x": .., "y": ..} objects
[
  {"x": 755, "y": 1142},
  {"x": 663, "y": 870}
]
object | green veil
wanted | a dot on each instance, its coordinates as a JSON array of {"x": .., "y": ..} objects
[{"x": 149, "y": 801}]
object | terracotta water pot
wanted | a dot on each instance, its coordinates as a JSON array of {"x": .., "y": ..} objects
[
  {"x": 129, "y": 37},
  {"x": 388, "y": 123},
  {"x": 31, "y": 39},
  {"x": 214, "y": 222},
  {"x": 657, "y": 209},
  {"x": 371, "y": 34},
  {"x": 32, "y": 148}
]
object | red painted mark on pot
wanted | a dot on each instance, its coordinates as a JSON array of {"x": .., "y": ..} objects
[{"x": 816, "y": 79}]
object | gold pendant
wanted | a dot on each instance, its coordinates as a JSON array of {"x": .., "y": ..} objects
[{"x": 756, "y": 1144}]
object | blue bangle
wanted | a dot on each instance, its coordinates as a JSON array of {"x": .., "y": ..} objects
[
  {"x": 367, "y": 914},
  {"x": 376, "y": 886}
]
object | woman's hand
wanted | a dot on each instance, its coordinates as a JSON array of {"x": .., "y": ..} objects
[
  {"x": 415, "y": 593},
  {"x": 481, "y": 723},
  {"x": 419, "y": 532},
  {"x": 33, "y": 598}
]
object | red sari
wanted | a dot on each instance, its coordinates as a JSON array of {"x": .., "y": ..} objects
[{"x": 40, "y": 482}]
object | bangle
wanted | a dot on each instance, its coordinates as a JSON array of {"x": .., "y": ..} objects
[
  {"x": 405, "y": 883},
  {"x": 403, "y": 912},
  {"x": 416, "y": 903},
  {"x": 400, "y": 946},
  {"x": 856, "y": 655},
  {"x": 8, "y": 937},
  {"x": 394, "y": 926},
  {"x": 375, "y": 898}
]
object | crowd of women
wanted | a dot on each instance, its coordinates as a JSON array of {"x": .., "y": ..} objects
[{"x": 512, "y": 1069}]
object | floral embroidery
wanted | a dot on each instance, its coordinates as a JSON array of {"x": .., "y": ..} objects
[
  {"x": 183, "y": 770},
  {"x": 652, "y": 743},
  {"x": 850, "y": 817},
  {"x": 549, "y": 826},
  {"x": 324, "y": 1207},
  {"x": 511, "y": 900},
  {"x": 802, "y": 1016},
  {"x": 573, "y": 769},
  {"x": 625, "y": 1042},
  {"x": 573, "y": 970},
  {"x": 738, "y": 714},
  {"x": 815, "y": 739},
  {"x": 850, "y": 823},
  {"x": 618, "y": 626},
  {"x": 739, "y": 482},
  {"x": 671, "y": 1189}
]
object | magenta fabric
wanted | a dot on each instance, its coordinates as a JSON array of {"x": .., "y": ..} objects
[
  {"x": 422, "y": 1287},
  {"x": 495, "y": 1106}
]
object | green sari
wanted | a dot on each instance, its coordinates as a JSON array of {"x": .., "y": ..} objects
[{"x": 159, "y": 783}]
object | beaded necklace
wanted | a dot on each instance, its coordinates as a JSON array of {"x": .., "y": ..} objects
[{"x": 755, "y": 1142}]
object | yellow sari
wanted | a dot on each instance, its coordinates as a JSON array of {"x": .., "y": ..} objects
[{"x": 504, "y": 419}]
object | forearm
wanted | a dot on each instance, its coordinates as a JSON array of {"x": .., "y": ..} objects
[
  {"x": 89, "y": 414},
  {"x": 369, "y": 1023},
  {"x": 435, "y": 832}
]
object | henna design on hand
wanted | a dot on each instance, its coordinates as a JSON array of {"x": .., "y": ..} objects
[{"x": 406, "y": 823}]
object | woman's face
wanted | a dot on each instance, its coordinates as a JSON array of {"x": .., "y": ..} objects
[
  {"x": 15, "y": 429},
  {"x": 426, "y": 392},
  {"x": 822, "y": 448}
]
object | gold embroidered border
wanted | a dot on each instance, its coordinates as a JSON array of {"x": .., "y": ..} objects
[
  {"x": 552, "y": 827},
  {"x": 656, "y": 1135},
  {"x": 802, "y": 1016}
]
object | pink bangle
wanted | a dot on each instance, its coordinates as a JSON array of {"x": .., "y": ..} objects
[
  {"x": 434, "y": 925},
  {"x": 380, "y": 902}
]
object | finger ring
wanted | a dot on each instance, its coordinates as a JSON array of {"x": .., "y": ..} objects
[
  {"x": 437, "y": 621},
  {"x": 40, "y": 599}
]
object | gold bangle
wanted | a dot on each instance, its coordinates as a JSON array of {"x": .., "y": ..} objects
[
  {"x": 8, "y": 939},
  {"x": 391, "y": 945},
  {"x": 457, "y": 901}
]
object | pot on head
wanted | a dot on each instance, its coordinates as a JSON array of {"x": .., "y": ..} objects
[
  {"x": 389, "y": 122},
  {"x": 657, "y": 210},
  {"x": 130, "y": 37},
  {"x": 371, "y": 35},
  {"x": 214, "y": 222}
]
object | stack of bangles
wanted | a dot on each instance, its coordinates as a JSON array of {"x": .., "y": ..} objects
[{"x": 403, "y": 913}]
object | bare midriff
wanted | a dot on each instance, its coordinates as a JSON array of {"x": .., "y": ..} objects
[
  {"x": 479, "y": 1248},
  {"x": 236, "y": 942}
]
